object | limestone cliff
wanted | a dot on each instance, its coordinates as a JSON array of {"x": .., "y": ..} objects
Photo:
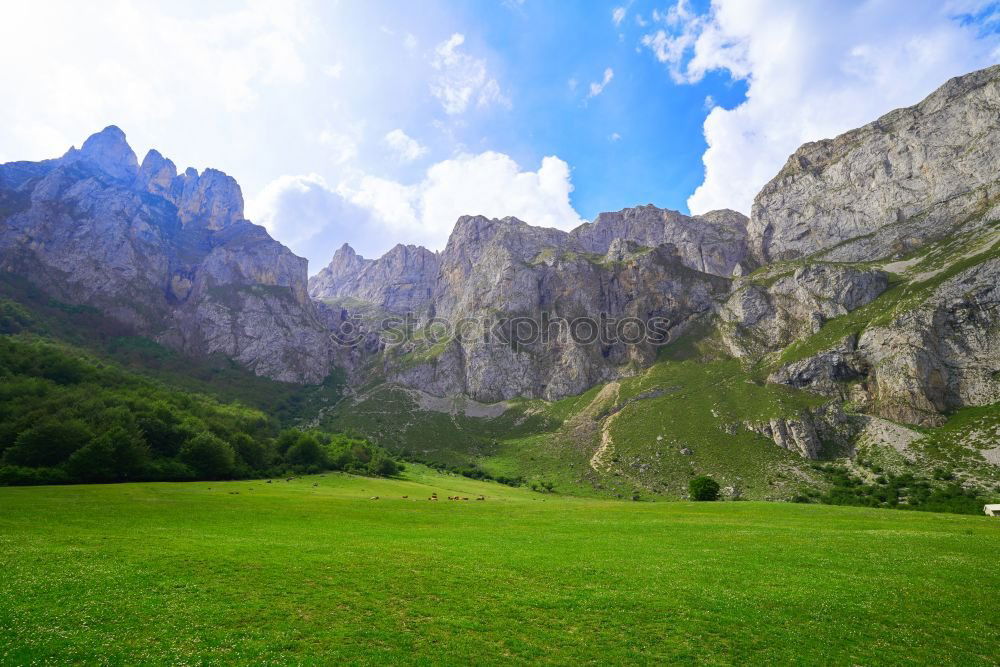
[
  {"x": 171, "y": 255},
  {"x": 885, "y": 189}
]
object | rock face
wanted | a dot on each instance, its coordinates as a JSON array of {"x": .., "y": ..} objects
[
  {"x": 757, "y": 319},
  {"x": 930, "y": 354},
  {"x": 811, "y": 432},
  {"x": 715, "y": 242},
  {"x": 942, "y": 355},
  {"x": 495, "y": 273},
  {"x": 913, "y": 175},
  {"x": 168, "y": 254},
  {"x": 401, "y": 281}
]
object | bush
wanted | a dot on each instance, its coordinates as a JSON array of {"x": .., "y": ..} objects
[
  {"x": 48, "y": 444},
  {"x": 13, "y": 317},
  {"x": 703, "y": 487},
  {"x": 307, "y": 451},
  {"x": 116, "y": 455},
  {"x": 382, "y": 466},
  {"x": 20, "y": 476},
  {"x": 209, "y": 456}
]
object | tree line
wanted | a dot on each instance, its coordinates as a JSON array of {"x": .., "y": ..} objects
[{"x": 67, "y": 417}]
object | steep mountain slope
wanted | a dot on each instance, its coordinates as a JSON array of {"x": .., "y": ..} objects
[
  {"x": 914, "y": 175},
  {"x": 400, "y": 281},
  {"x": 854, "y": 318},
  {"x": 171, "y": 255},
  {"x": 869, "y": 295}
]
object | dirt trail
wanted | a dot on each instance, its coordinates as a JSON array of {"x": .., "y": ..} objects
[{"x": 608, "y": 396}]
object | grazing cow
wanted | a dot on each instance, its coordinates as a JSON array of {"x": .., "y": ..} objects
[
  {"x": 374, "y": 497},
  {"x": 405, "y": 497},
  {"x": 464, "y": 498},
  {"x": 481, "y": 498},
  {"x": 268, "y": 481}
]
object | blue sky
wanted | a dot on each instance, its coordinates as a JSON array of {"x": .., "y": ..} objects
[{"x": 380, "y": 122}]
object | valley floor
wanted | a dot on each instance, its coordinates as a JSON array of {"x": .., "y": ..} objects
[{"x": 316, "y": 570}]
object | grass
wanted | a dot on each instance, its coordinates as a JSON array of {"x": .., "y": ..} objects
[
  {"x": 672, "y": 405},
  {"x": 312, "y": 571}
]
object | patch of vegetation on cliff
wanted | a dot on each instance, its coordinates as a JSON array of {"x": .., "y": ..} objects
[{"x": 942, "y": 262}]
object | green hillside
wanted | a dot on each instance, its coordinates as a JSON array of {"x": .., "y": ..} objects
[{"x": 316, "y": 571}]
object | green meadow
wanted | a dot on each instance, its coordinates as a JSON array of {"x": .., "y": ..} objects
[{"x": 317, "y": 571}]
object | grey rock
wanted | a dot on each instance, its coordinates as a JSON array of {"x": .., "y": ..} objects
[
  {"x": 715, "y": 242},
  {"x": 757, "y": 319},
  {"x": 941, "y": 355},
  {"x": 109, "y": 152},
  {"x": 401, "y": 281},
  {"x": 886, "y": 188},
  {"x": 493, "y": 271},
  {"x": 171, "y": 256}
]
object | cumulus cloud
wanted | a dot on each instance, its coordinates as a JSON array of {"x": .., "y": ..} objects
[
  {"x": 126, "y": 63},
  {"x": 811, "y": 73},
  {"x": 618, "y": 15},
  {"x": 597, "y": 87},
  {"x": 489, "y": 183},
  {"x": 308, "y": 216},
  {"x": 463, "y": 79},
  {"x": 406, "y": 148},
  {"x": 343, "y": 145},
  {"x": 374, "y": 213}
]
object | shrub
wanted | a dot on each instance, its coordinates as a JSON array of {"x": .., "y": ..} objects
[
  {"x": 209, "y": 456},
  {"x": 382, "y": 466},
  {"x": 13, "y": 317},
  {"x": 48, "y": 443},
  {"x": 703, "y": 487},
  {"x": 253, "y": 452},
  {"x": 118, "y": 454},
  {"x": 17, "y": 475},
  {"x": 307, "y": 451}
]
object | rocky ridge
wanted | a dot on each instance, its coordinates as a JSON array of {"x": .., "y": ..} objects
[{"x": 169, "y": 254}]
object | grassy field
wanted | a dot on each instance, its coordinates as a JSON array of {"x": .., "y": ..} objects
[{"x": 315, "y": 571}]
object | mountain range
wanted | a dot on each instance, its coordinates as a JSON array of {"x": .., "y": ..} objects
[{"x": 854, "y": 315}]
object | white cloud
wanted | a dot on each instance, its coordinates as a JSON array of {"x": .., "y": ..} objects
[
  {"x": 811, "y": 73},
  {"x": 334, "y": 71},
  {"x": 596, "y": 88},
  {"x": 490, "y": 184},
  {"x": 410, "y": 41},
  {"x": 374, "y": 213},
  {"x": 126, "y": 63},
  {"x": 463, "y": 79},
  {"x": 618, "y": 15},
  {"x": 343, "y": 145},
  {"x": 615, "y": 136},
  {"x": 308, "y": 216},
  {"x": 406, "y": 148}
]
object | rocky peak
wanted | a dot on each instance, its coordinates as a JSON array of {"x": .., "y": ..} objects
[
  {"x": 108, "y": 151},
  {"x": 156, "y": 174},
  {"x": 402, "y": 280},
  {"x": 186, "y": 270},
  {"x": 715, "y": 242},
  {"x": 212, "y": 199},
  {"x": 890, "y": 186}
]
